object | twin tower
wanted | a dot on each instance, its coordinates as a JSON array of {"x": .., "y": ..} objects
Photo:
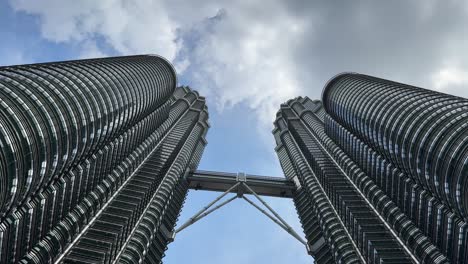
[{"x": 97, "y": 157}]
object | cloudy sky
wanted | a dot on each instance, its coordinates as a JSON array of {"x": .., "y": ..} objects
[{"x": 247, "y": 57}]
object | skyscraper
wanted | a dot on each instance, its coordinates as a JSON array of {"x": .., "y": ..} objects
[
  {"x": 93, "y": 158},
  {"x": 381, "y": 169},
  {"x": 97, "y": 157}
]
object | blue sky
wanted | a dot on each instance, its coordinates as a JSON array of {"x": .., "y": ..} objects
[{"x": 247, "y": 58}]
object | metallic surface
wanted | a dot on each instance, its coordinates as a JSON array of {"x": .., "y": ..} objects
[
  {"x": 97, "y": 157},
  {"x": 93, "y": 157},
  {"x": 388, "y": 161},
  {"x": 240, "y": 183},
  {"x": 222, "y": 181},
  {"x": 416, "y": 145}
]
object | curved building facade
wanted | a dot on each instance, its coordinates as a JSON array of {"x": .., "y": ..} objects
[
  {"x": 60, "y": 113},
  {"x": 421, "y": 132},
  {"x": 414, "y": 145},
  {"x": 391, "y": 160},
  {"x": 97, "y": 156},
  {"x": 90, "y": 150}
]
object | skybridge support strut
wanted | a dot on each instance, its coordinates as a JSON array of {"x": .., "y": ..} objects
[
  {"x": 240, "y": 186},
  {"x": 204, "y": 212},
  {"x": 283, "y": 224}
]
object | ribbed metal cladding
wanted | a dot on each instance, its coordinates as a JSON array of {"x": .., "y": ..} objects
[
  {"x": 318, "y": 248},
  {"x": 330, "y": 228},
  {"x": 413, "y": 143},
  {"x": 86, "y": 145},
  {"x": 132, "y": 212},
  {"x": 54, "y": 115},
  {"x": 150, "y": 239},
  {"x": 375, "y": 224},
  {"x": 140, "y": 216},
  {"x": 75, "y": 122},
  {"x": 421, "y": 132}
]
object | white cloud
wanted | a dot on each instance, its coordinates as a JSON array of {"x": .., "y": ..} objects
[
  {"x": 182, "y": 65},
  {"x": 260, "y": 55},
  {"x": 128, "y": 27},
  {"x": 244, "y": 58},
  {"x": 89, "y": 49},
  {"x": 450, "y": 76}
]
